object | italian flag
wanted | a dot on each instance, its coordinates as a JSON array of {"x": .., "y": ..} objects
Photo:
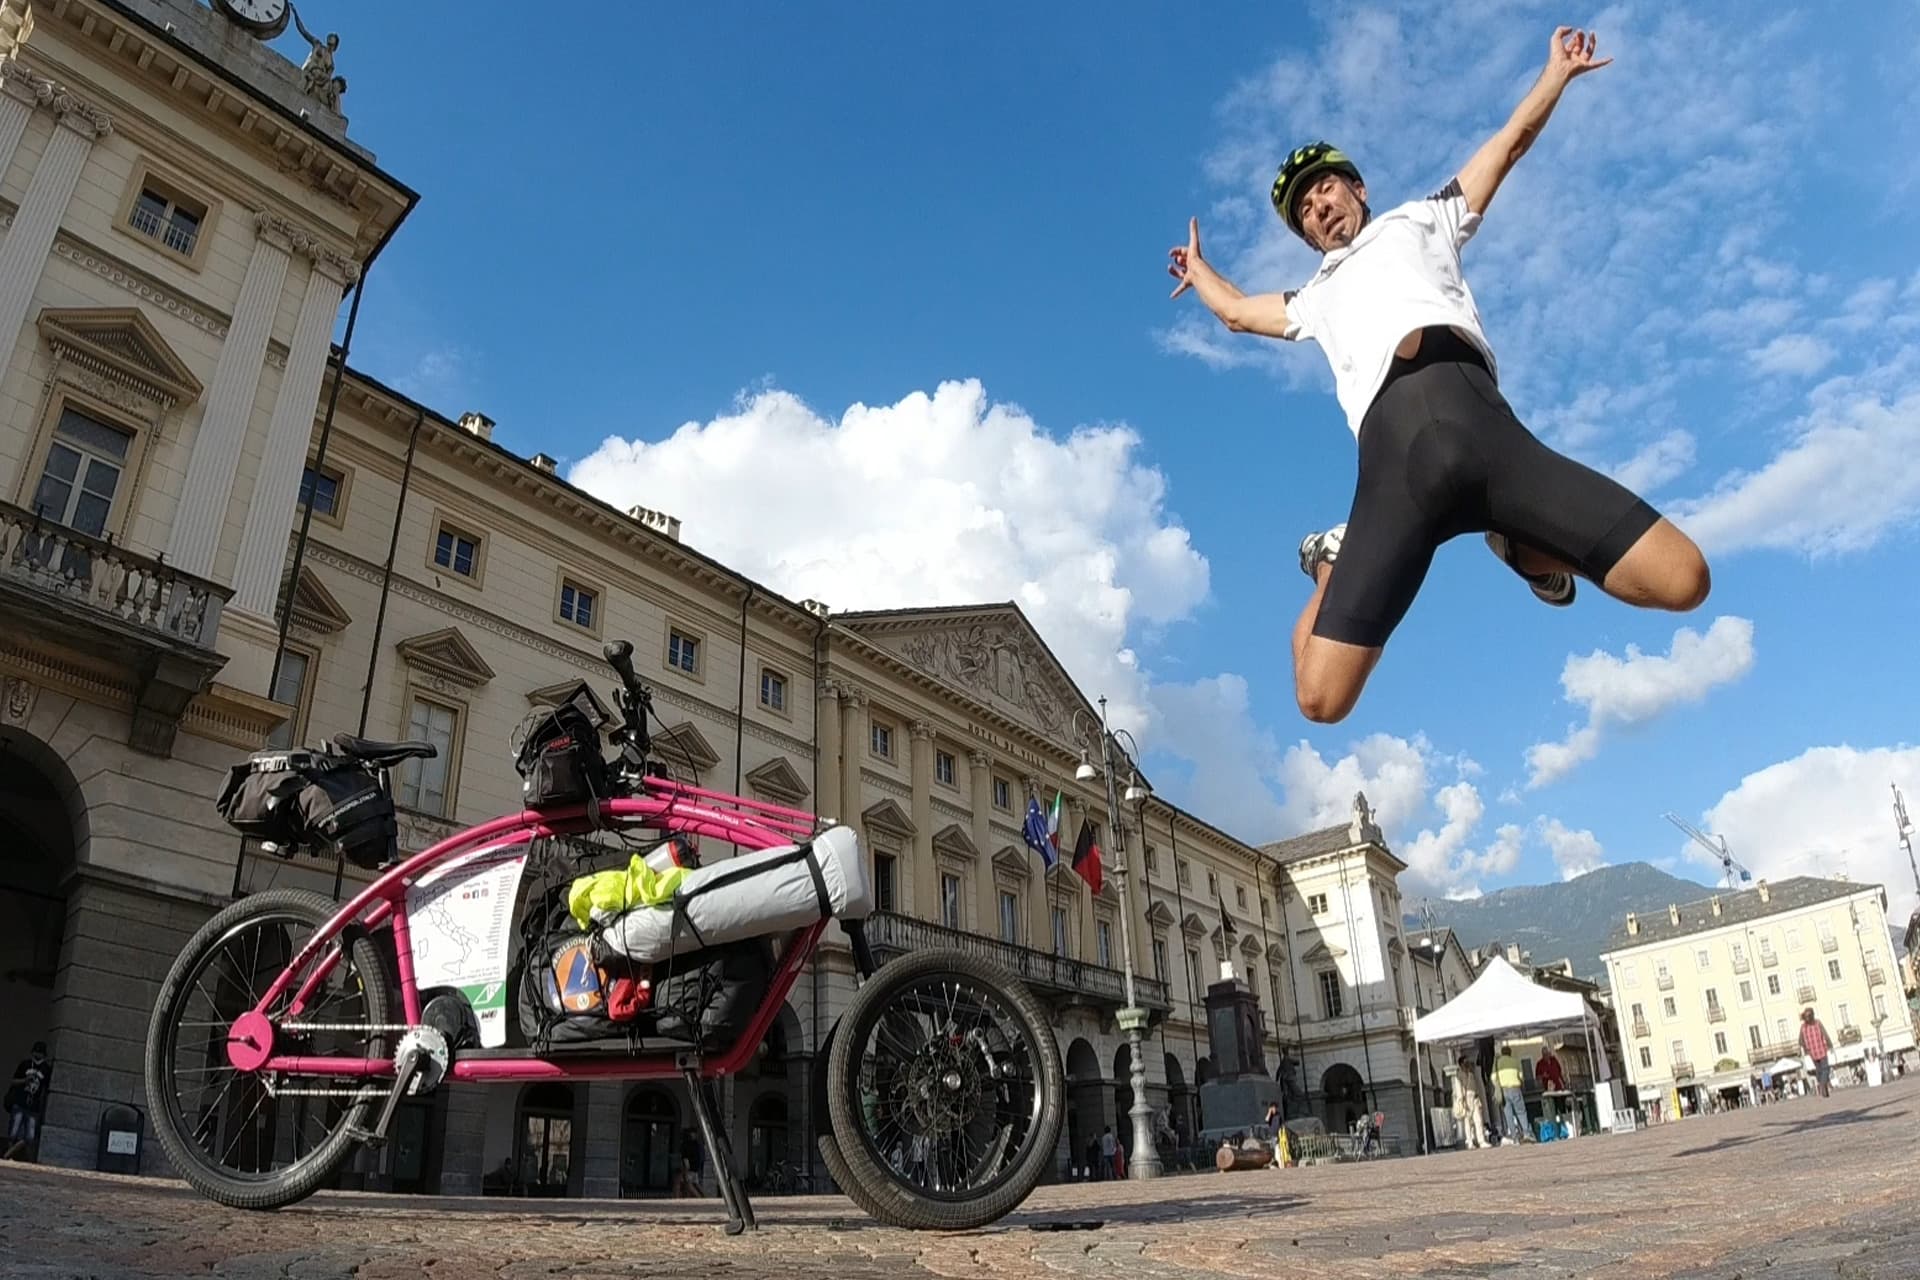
[{"x": 1053, "y": 822}]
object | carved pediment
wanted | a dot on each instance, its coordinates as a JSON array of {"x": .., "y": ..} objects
[
  {"x": 684, "y": 744},
  {"x": 953, "y": 839},
  {"x": 120, "y": 344},
  {"x": 990, "y": 653},
  {"x": 1160, "y": 915},
  {"x": 1193, "y": 926},
  {"x": 1249, "y": 946},
  {"x": 554, "y": 694},
  {"x": 890, "y": 817},
  {"x": 448, "y": 655},
  {"x": 1321, "y": 953},
  {"x": 777, "y": 781},
  {"x": 314, "y": 607},
  {"x": 1014, "y": 859}
]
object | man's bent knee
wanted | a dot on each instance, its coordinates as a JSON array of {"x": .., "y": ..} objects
[
  {"x": 1324, "y": 706},
  {"x": 1328, "y": 679},
  {"x": 1663, "y": 570}
]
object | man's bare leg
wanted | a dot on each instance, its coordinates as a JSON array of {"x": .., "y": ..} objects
[
  {"x": 1663, "y": 570},
  {"x": 1327, "y": 674}
]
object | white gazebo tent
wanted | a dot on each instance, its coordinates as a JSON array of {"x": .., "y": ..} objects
[{"x": 1503, "y": 1002}]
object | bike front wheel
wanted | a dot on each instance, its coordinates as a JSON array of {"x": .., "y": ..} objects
[
  {"x": 244, "y": 1138},
  {"x": 945, "y": 1091}
]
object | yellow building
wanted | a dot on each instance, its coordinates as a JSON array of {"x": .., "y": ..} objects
[
  {"x": 184, "y": 215},
  {"x": 1710, "y": 992}
]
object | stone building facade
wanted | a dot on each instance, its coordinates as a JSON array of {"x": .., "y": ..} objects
[{"x": 183, "y": 223}]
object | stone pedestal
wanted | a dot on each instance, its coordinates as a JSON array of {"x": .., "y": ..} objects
[{"x": 1236, "y": 1098}]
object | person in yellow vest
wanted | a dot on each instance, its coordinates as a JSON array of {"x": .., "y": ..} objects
[{"x": 1513, "y": 1103}]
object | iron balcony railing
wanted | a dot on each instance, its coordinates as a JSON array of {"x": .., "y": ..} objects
[
  {"x": 60, "y": 564},
  {"x": 1742, "y": 965},
  {"x": 1830, "y": 944},
  {"x": 1876, "y": 977},
  {"x": 894, "y": 934},
  {"x": 1849, "y": 1035},
  {"x": 1804, "y": 995},
  {"x": 178, "y": 236},
  {"x": 1716, "y": 1014},
  {"x": 1767, "y": 1054},
  {"x": 1640, "y": 1027},
  {"x": 1769, "y": 959},
  {"x": 1683, "y": 1071}
]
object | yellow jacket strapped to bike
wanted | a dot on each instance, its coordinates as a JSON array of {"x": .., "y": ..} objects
[{"x": 598, "y": 898}]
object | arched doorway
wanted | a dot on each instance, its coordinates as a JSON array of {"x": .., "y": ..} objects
[
  {"x": 1123, "y": 1092},
  {"x": 648, "y": 1142},
  {"x": 543, "y": 1139},
  {"x": 1087, "y": 1101},
  {"x": 38, "y": 851},
  {"x": 766, "y": 1138},
  {"x": 1343, "y": 1098},
  {"x": 1180, "y": 1101}
]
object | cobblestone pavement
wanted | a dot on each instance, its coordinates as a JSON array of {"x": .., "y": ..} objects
[{"x": 1809, "y": 1188}]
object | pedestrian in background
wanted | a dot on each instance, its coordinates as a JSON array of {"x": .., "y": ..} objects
[{"x": 1814, "y": 1043}]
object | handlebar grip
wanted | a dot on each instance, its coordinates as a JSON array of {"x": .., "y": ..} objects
[{"x": 619, "y": 656}]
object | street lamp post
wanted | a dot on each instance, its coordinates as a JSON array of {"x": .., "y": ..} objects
[{"x": 1145, "y": 1159}]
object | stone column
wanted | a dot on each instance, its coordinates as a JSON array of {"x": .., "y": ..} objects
[
  {"x": 21, "y": 91},
  {"x": 208, "y": 490},
  {"x": 271, "y": 511},
  {"x": 23, "y": 255},
  {"x": 827, "y": 715},
  {"x": 986, "y": 894},
  {"x": 854, "y": 734},
  {"x": 606, "y": 1122},
  {"x": 925, "y": 886}
]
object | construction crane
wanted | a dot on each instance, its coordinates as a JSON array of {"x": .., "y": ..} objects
[{"x": 1717, "y": 846}]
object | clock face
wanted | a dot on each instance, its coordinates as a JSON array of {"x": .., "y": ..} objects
[{"x": 264, "y": 18}]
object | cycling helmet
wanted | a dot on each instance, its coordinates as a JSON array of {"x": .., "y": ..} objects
[{"x": 1298, "y": 173}]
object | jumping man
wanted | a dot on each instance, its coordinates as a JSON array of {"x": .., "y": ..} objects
[{"x": 1441, "y": 452}]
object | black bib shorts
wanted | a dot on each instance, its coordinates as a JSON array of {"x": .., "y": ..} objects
[{"x": 1442, "y": 454}]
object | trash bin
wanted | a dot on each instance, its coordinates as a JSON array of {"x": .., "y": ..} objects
[{"x": 122, "y": 1134}]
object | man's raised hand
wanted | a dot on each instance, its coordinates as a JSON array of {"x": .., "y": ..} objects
[
  {"x": 1184, "y": 256},
  {"x": 1570, "y": 53}
]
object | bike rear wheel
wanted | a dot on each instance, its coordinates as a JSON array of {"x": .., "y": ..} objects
[
  {"x": 945, "y": 1090},
  {"x": 238, "y": 1137}
]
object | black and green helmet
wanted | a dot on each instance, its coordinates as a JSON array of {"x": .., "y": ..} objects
[{"x": 1298, "y": 174}]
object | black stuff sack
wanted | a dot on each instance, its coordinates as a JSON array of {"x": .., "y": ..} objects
[
  {"x": 559, "y": 760},
  {"x": 319, "y": 802}
]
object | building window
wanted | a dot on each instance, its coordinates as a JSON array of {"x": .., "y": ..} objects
[
  {"x": 1833, "y": 971},
  {"x": 1793, "y": 939},
  {"x": 1720, "y": 1043},
  {"x": 773, "y": 690},
  {"x": 1152, "y": 859},
  {"x": 1194, "y": 988},
  {"x": 1678, "y": 1049},
  {"x": 1667, "y": 1007},
  {"x": 1845, "y": 1019},
  {"x": 579, "y": 605},
  {"x": 290, "y": 690},
  {"x": 1780, "y": 1029},
  {"x": 943, "y": 769},
  {"x": 1646, "y": 1057},
  {"x": 1639, "y": 1012},
  {"x": 881, "y": 741},
  {"x": 1060, "y": 931},
  {"x": 1773, "y": 984},
  {"x": 1702, "y": 959},
  {"x": 1160, "y": 959},
  {"x": 1103, "y": 943},
  {"x": 1746, "y": 992},
  {"x": 1182, "y": 872},
  {"x": 165, "y": 214},
  {"x": 1880, "y": 1006},
  {"x": 683, "y": 651},
  {"x": 427, "y": 785},
  {"x": 1002, "y": 794},
  {"x": 1739, "y": 953},
  {"x": 950, "y": 900},
  {"x": 1240, "y": 896},
  {"x": 82, "y": 473},
  {"x": 1713, "y": 999},
  {"x": 320, "y": 489},
  {"x": 1629, "y": 974},
  {"x": 457, "y": 550},
  {"x": 1317, "y": 904},
  {"x": 1213, "y": 885},
  {"x": 1330, "y": 1005},
  {"x": 883, "y": 864},
  {"x": 1753, "y": 1036},
  {"x": 1009, "y": 918}
]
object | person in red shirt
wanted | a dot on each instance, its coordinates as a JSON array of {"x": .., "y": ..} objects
[
  {"x": 1548, "y": 1071},
  {"x": 1814, "y": 1043}
]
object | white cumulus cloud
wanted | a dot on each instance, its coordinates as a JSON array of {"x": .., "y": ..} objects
[
  {"x": 1637, "y": 687},
  {"x": 1574, "y": 852},
  {"x": 937, "y": 499},
  {"x": 1799, "y": 354},
  {"x": 1826, "y": 812}
]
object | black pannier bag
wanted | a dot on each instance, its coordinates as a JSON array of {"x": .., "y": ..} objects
[
  {"x": 559, "y": 758},
  {"x": 316, "y": 801},
  {"x": 704, "y": 997}
]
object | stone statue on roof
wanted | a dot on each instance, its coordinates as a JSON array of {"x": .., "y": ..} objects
[
  {"x": 317, "y": 71},
  {"x": 1363, "y": 829}
]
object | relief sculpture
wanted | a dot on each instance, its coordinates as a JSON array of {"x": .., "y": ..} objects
[{"x": 992, "y": 661}]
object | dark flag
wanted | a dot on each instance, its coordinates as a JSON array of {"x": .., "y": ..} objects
[{"x": 1086, "y": 857}]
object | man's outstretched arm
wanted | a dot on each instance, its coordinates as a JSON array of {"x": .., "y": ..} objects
[
  {"x": 1262, "y": 313},
  {"x": 1570, "y": 54}
]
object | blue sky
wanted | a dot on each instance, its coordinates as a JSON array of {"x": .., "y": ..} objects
[{"x": 898, "y": 272}]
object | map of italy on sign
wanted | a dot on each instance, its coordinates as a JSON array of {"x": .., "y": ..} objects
[{"x": 461, "y": 915}]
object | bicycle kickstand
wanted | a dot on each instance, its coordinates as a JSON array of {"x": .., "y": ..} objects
[{"x": 739, "y": 1208}]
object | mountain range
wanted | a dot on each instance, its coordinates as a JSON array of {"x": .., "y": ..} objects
[{"x": 1570, "y": 920}]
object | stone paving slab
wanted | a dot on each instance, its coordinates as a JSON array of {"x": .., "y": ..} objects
[{"x": 1807, "y": 1190}]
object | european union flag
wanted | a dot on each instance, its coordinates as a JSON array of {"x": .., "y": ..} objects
[{"x": 1035, "y": 831}]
